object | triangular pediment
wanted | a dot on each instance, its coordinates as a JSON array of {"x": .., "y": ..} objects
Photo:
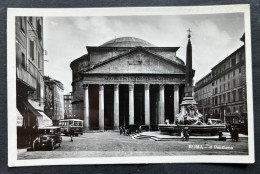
[{"x": 138, "y": 61}]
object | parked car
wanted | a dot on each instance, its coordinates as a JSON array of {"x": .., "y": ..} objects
[
  {"x": 47, "y": 137},
  {"x": 131, "y": 128}
]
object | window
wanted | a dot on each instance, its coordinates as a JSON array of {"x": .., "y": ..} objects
[
  {"x": 228, "y": 75},
  {"x": 228, "y": 97},
  {"x": 22, "y": 24},
  {"x": 23, "y": 61},
  {"x": 31, "y": 19},
  {"x": 224, "y": 98},
  {"x": 234, "y": 83},
  {"x": 239, "y": 56},
  {"x": 240, "y": 108},
  {"x": 39, "y": 61},
  {"x": 240, "y": 69},
  {"x": 234, "y": 95},
  {"x": 233, "y": 61},
  {"x": 228, "y": 85},
  {"x": 240, "y": 94},
  {"x": 234, "y": 73},
  {"x": 224, "y": 87},
  {"x": 39, "y": 30},
  {"x": 220, "y": 99},
  {"x": 32, "y": 49}
]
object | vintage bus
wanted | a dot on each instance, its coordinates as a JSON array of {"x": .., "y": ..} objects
[{"x": 71, "y": 126}]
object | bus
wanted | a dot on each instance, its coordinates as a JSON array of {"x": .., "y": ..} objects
[{"x": 73, "y": 126}]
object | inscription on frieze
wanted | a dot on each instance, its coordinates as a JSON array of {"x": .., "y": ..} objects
[{"x": 140, "y": 78}]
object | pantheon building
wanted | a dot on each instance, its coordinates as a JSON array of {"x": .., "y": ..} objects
[{"x": 127, "y": 81}]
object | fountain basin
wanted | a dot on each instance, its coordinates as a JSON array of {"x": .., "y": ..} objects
[{"x": 194, "y": 129}]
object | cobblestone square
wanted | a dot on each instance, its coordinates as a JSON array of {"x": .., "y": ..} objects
[{"x": 110, "y": 144}]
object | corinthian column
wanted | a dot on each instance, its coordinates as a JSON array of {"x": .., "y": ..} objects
[
  {"x": 147, "y": 104},
  {"x": 86, "y": 107},
  {"x": 116, "y": 107},
  {"x": 176, "y": 100},
  {"x": 101, "y": 107},
  {"x": 161, "y": 106},
  {"x": 131, "y": 104}
]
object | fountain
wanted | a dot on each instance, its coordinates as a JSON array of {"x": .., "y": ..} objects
[{"x": 189, "y": 117}]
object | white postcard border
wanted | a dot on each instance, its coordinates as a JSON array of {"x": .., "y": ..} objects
[{"x": 11, "y": 85}]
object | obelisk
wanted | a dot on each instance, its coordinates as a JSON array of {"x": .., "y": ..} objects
[{"x": 189, "y": 74}]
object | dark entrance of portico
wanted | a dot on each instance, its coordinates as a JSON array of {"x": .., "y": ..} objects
[
  {"x": 169, "y": 103},
  {"x": 139, "y": 105},
  {"x": 123, "y": 105},
  {"x": 108, "y": 107}
]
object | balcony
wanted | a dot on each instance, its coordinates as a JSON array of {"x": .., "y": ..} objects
[{"x": 25, "y": 78}]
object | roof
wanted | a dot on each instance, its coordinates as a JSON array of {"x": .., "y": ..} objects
[
  {"x": 130, "y": 52},
  {"x": 127, "y": 42},
  {"x": 243, "y": 46},
  {"x": 49, "y": 127},
  {"x": 72, "y": 119}
]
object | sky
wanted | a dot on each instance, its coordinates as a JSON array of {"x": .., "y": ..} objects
[{"x": 213, "y": 38}]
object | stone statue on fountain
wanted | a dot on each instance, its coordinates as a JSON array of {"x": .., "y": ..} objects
[{"x": 189, "y": 114}]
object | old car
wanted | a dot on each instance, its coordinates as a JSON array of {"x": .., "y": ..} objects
[
  {"x": 131, "y": 128},
  {"x": 47, "y": 137}
]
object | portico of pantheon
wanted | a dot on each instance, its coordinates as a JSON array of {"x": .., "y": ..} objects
[{"x": 127, "y": 81}]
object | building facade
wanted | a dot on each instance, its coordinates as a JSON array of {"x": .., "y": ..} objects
[
  {"x": 227, "y": 82},
  {"x": 203, "y": 93},
  {"x": 127, "y": 81},
  {"x": 68, "y": 106},
  {"x": 29, "y": 76},
  {"x": 54, "y": 102}
]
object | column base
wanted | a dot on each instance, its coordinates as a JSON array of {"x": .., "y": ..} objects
[{"x": 86, "y": 129}]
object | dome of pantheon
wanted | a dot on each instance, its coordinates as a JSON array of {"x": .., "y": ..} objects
[{"x": 127, "y": 42}]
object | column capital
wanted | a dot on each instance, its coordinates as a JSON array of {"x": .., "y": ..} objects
[
  {"x": 147, "y": 86},
  {"x": 162, "y": 85},
  {"x": 116, "y": 86},
  {"x": 85, "y": 86},
  {"x": 131, "y": 87},
  {"x": 176, "y": 86},
  {"x": 101, "y": 86}
]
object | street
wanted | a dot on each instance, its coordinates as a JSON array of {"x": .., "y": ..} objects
[{"x": 110, "y": 144}]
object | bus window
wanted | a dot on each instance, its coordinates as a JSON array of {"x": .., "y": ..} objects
[
  {"x": 76, "y": 123},
  {"x": 80, "y": 123},
  {"x": 70, "y": 122}
]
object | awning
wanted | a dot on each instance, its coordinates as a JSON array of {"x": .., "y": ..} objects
[
  {"x": 42, "y": 120},
  {"x": 19, "y": 119},
  {"x": 45, "y": 121},
  {"x": 31, "y": 108}
]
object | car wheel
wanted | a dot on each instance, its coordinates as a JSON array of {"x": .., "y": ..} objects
[
  {"x": 59, "y": 144},
  {"x": 37, "y": 145}
]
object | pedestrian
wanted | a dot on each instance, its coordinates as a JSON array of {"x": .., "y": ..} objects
[{"x": 71, "y": 134}]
